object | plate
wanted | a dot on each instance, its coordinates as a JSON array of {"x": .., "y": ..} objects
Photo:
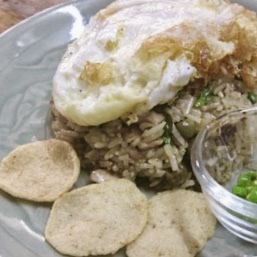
[{"x": 29, "y": 54}]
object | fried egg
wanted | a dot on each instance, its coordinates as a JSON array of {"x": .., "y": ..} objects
[{"x": 137, "y": 54}]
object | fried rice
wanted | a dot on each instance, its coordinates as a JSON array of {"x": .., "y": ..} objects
[{"x": 155, "y": 146}]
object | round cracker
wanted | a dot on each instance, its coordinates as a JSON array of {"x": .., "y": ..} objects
[
  {"x": 40, "y": 171},
  {"x": 179, "y": 224},
  {"x": 97, "y": 219}
]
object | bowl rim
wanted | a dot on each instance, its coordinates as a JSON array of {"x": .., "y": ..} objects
[{"x": 207, "y": 182}]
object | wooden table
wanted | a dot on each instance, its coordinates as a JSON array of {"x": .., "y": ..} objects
[{"x": 13, "y": 11}]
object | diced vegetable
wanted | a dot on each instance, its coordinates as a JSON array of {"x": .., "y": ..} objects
[
  {"x": 252, "y": 97},
  {"x": 204, "y": 98},
  {"x": 187, "y": 128}
]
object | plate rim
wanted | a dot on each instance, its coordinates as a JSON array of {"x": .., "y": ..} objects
[{"x": 38, "y": 15}]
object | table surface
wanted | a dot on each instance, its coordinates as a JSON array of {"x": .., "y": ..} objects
[{"x": 13, "y": 11}]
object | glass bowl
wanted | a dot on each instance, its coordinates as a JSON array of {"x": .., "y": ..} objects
[{"x": 222, "y": 151}]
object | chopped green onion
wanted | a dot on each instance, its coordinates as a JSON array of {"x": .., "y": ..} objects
[
  {"x": 244, "y": 180},
  {"x": 249, "y": 189},
  {"x": 251, "y": 175},
  {"x": 246, "y": 186},
  {"x": 204, "y": 98},
  {"x": 239, "y": 191},
  {"x": 252, "y": 196},
  {"x": 252, "y": 97},
  {"x": 168, "y": 130}
]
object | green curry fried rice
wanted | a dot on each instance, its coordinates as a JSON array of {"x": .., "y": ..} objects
[{"x": 156, "y": 145}]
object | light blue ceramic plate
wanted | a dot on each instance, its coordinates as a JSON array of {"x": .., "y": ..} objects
[{"x": 29, "y": 54}]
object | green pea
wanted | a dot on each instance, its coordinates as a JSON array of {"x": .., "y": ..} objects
[
  {"x": 252, "y": 196},
  {"x": 187, "y": 128},
  {"x": 240, "y": 191}
]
